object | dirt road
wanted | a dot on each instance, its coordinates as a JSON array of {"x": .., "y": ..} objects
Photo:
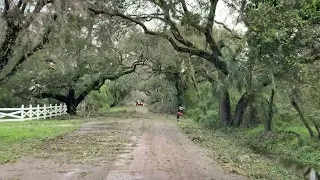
[{"x": 143, "y": 147}]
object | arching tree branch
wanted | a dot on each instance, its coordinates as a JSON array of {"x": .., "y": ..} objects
[
  {"x": 184, "y": 6},
  {"x": 228, "y": 29},
  {"x": 56, "y": 96},
  {"x": 15, "y": 25},
  {"x": 24, "y": 57},
  {"x": 178, "y": 42}
]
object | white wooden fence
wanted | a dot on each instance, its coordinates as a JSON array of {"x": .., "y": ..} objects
[{"x": 29, "y": 113}]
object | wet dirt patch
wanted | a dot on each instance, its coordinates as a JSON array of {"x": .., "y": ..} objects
[{"x": 96, "y": 140}]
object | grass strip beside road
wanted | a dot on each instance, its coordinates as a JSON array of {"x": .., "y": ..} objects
[{"x": 19, "y": 138}]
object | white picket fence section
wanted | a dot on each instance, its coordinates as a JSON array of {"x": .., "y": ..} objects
[{"x": 30, "y": 113}]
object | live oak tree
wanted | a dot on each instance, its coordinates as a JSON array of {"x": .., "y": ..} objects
[
  {"x": 278, "y": 52},
  {"x": 174, "y": 15},
  {"x": 81, "y": 61},
  {"x": 271, "y": 39},
  {"x": 25, "y": 29}
]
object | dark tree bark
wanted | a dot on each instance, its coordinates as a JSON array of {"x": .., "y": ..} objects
[
  {"x": 72, "y": 102},
  {"x": 24, "y": 57},
  {"x": 317, "y": 127},
  {"x": 6, "y": 49},
  {"x": 305, "y": 122},
  {"x": 72, "y": 108},
  {"x": 240, "y": 108},
  {"x": 244, "y": 102},
  {"x": 225, "y": 108},
  {"x": 270, "y": 113},
  {"x": 16, "y": 23},
  {"x": 177, "y": 81},
  {"x": 69, "y": 99}
]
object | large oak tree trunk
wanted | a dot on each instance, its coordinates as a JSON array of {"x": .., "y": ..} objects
[
  {"x": 72, "y": 108},
  {"x": 225, "y": 108},
  {"x": 72, "y": 103},
  {"x": 240, "y": 108}
]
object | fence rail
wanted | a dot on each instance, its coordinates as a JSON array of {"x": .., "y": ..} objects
[{"x": 30, "y": 113}]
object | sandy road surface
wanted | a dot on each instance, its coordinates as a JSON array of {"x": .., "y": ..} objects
[{"x": 145, "y": 147}]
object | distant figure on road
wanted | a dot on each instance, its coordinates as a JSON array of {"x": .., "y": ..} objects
[
  {"x": 180, "y": 111},
  {"x": 139, "y": 103}
]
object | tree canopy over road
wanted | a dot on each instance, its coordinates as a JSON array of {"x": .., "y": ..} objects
[{"x": 107, "y": 53}]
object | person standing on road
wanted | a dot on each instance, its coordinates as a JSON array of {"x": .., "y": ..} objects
[{"x": 180, "y": 110}]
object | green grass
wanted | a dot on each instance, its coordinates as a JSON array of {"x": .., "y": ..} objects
[
  {"x": 42, "y": 122},
  {"x": 301, "y": 130},
  {"x": 20, "y": 138}
]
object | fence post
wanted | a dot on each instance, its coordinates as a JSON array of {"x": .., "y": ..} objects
[
  {"x": 50, "y": 110},
  {"x": 44, "y": 111},
  {"x": 38, "y": 111},
  {"x": 30, "y": 111},
  {"x": 60, "y": 109},
  {"x": 55, "y": 110},
  {"x": 22, "y": 112}
]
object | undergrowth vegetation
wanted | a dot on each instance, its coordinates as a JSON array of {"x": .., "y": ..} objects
[
  {"x": 285, "y": 152},
  {"x": 233, "y": 149}
]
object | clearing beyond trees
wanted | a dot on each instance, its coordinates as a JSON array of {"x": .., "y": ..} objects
[{"x": 141, "y": 146}]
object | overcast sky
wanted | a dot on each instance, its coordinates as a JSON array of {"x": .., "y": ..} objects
[{"x": 223, "y": 14}]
